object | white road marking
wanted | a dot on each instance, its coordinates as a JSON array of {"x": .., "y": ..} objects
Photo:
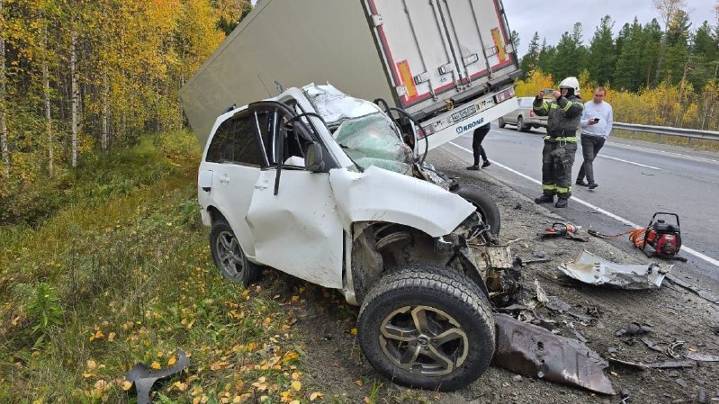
[
  {"x": 628, "y": 162},
  {"x": 607, "y": 213},
  {"x": 699, "y": 159}
]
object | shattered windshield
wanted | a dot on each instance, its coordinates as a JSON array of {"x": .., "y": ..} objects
[{"x": 371, "y": 140}]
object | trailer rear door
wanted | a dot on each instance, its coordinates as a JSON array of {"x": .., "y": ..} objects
[{"x": 435, "y": 49}]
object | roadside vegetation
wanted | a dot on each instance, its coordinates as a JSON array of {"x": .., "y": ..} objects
[{"x": 119, "y": 273}]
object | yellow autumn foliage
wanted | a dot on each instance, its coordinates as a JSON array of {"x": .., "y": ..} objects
[{"x": 666, "y": 105}]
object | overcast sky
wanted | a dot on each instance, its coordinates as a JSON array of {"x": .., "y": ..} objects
[{"x": 552, "y": 18}]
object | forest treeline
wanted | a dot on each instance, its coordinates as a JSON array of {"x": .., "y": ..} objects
[
  {"x": 81, "y": 77},
  {"x": 664, "y": 72}
]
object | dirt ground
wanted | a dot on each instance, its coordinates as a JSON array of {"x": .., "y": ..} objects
[{"x": 335, "y": 366}]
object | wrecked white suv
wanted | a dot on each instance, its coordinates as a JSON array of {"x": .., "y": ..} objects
[{"x": 329, "y": 189}]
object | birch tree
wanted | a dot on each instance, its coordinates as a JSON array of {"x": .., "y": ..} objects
[
  {"x": 74, "y": 96},
  {"x": 3, "y": 92}
]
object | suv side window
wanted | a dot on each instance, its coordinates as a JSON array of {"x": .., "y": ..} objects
[
  {"x": 236, "y": 142},
  {"x": 293, "y": 147}
]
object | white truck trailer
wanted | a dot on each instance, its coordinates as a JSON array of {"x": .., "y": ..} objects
[{"x": 449, "y": 63}]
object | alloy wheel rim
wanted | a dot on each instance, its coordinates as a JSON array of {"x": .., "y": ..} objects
[
  {"x": 230, "y": 254},
  {"x": 423, "y": 339}
]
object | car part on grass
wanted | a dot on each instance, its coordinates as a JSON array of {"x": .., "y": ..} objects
[
  {"x": 653, "y": 365},
  {"x": 594, "y": 270},
  {"x": 671, "y": 351},
  {"x": 535, "y": 352},
  {"x": 145, "y": 377},
  {"x": 566, "y": 230},
  {"x": 702, "y": 357}
]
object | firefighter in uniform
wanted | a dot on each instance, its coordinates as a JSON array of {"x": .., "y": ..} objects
[{"x": 560, "y": 144}]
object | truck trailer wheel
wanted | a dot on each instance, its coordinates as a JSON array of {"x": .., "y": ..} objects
[
  {"x": 485, "y": 205},
  {"x": 431, "y": 330},
  {"x": 228, "y": 255}
]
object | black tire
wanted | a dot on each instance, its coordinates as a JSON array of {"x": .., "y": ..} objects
[
  {"x": 486, "y": 206},
  {"x": 234, "y": 267},
  {"x": 520, "y": 124},
  {"x": 501, "y": 123},
  {"x": 452, "y": 305}
]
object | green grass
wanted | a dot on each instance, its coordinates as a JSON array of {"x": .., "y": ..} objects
[
  {"x": 696, "y": 144},
  {"x": 117, "y": 272}
]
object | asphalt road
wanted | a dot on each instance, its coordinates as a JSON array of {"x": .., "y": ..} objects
[{"x": 635, "y": 180}]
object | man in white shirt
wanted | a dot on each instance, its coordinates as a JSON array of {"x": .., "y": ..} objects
[{"x": 597, "y": 121}]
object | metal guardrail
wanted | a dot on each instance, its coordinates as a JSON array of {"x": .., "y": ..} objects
[{"x": 669, "y": 131}]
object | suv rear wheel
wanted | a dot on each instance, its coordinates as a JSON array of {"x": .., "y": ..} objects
[
  {"x": 228, "y": 255},
  {"x": 431, "y": 330}
]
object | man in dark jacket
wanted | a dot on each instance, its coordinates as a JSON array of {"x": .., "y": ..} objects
[
  {"x": 477, "y": 148},
  {"x": 560, "y": 144}
]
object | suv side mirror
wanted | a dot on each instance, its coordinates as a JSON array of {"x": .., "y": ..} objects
[{"x": 313, "y": 158}]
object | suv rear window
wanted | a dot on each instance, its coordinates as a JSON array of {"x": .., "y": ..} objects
[{"x": 236, "y": 142}]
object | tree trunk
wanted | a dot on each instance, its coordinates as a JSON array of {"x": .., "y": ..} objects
[
  {"x": 75, "y": 96},
  {"x": 105, "y": 112},
  {"x": 48, "y": 111},
  {"x": 3, "y": 124}
]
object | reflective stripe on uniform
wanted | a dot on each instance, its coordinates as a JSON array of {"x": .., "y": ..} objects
[
  {"x": 570, "y": 139},
  {"x": 549, "y": 187},
  {"x": 544, "y": 106},
  {"x": 562, "y": 190}
]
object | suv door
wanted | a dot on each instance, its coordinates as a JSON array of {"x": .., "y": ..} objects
[
  {"x": 234, "y": 160},
  {"x": 294, "y": 222}
]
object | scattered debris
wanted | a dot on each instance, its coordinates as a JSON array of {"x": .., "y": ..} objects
[
  {"x": 702, "y": 357},
  {"x": 633, "y": 329},
  {"x": 673, "y": 347},
  {"x": 558, "y": 305},
  {"x": 701, "y": 395},
  {"x": 580, "y": 336},
  {"x": 539, "y": 254},
  {"x": 566, "y": 230},
  {"x": 697, "y": 291},
  {"x": 594, "y": 270},
  {"x": 654, "y": 365},
  {"x": 533, "y": 351},
  {"x": 541, "y": 294},
  {"x": 518, "y": 206},
  {"x": 145, "y": 377},
  {"x": 625, "y": 397},
  {"x": 534, "y": 261},
  {"x": 651, "y": 344}
]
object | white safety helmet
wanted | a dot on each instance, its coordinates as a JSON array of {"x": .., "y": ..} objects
[{"x": 570, "y": 82}]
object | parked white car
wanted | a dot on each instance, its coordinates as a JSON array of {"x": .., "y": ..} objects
[
  {"x": 325, "y": 187},
  {"x": 523, "y": 118}
]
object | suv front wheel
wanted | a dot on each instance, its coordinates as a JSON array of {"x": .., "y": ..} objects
[
  {"x": 431, "y": 330},
  {"x": 228, "y": 255}
]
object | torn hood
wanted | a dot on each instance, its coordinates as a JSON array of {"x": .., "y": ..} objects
[{"x": 384, "y": 196}]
